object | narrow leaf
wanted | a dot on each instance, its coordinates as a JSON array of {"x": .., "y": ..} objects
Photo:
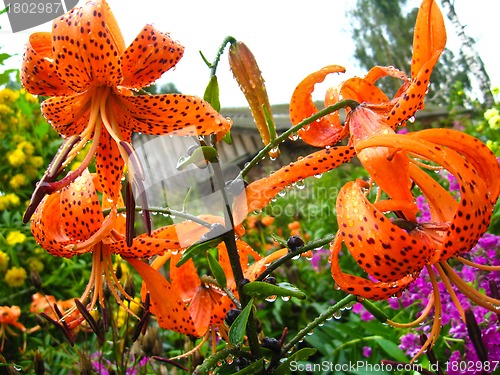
[
  {"x": 253, "y": 369},
  {"x": 211, "y": 94},
  {"x": 239, "y": 326},
  {"x": 299, "y": 355},
  {"x": 263, "y": 289},
  {"x": 217, "y": 270},
  {"x": 197, "y": 248}
]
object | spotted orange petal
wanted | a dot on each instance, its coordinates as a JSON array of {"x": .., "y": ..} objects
[
  {"x": 259, "y": 193},
  {"x": 170, "y": 310},
  {"x": 150, "y": 55},
  {"x": 69, "y": 115},
  {"x": 378, "y": 72},
  {"x": 87, "y": 44},
  {"x": 473, "y": 214},
  {"x": 67, "y": 217},
  {"x": 109, "y": 166},
  {"x": 173, "y": 114},
  {"x": 38, "y": 72},
  {"x": 361, "y": 90},
  {"x": 429, "y": 41},
  {"x": 325, "y": 131},
  {"x": 375, "y": 290},
  {"x": 381, "y": 248}
]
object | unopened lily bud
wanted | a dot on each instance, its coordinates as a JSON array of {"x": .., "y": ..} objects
[
  {"x": 38, "y": 364},
  {"x": 248, "y": 75}
]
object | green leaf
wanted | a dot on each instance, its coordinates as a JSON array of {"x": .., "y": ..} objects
[
  {"x": 239, "y": 326},
  {"x": 299, "y": 355},
  {"x": 391, "y": 349},
  {"x": 217, "y": 270},
  {"x": 263, "y": 289},
  {"x": 209, "y": 64},
  {"x": 227, "y": 138},
  {"x": 197, "y": 248},
  {"x": 4, "y": 56},
  {"x": 254, "y": 369},
  {"x": 270, "y": 123},
  {"x": 212, "y": 93}
]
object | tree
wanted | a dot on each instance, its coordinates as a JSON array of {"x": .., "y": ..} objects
[
  {"x": 470, "y": 55},
  {"x": 382, "y": 31}
]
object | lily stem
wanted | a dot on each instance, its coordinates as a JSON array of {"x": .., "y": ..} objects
[
  {"x": 234, "y": 259},
  {"x": 316, "y": 322},
  {"x": 227, "y": 40},
  {"x": 294, "y": 129},
  {"x": 166, "y": 211},
  {"x": 310, "y": 246}
]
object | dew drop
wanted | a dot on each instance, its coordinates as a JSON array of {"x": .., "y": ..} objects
[
  {"x": 271, "y": 298},
  {"x": 337, "y": 314},
  {"x": 285, "y": 298}
]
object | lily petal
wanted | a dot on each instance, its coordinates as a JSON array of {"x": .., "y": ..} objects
[
  {"x": 360, "y": 286},
  {"x": 69, "y": 115},
  {"x": 38, "y": 72},
  {"x": 381, "y": 248},
  {"x": 170, "y": 310},
  {"x": 259, "y": 193},
  {"x": 173, "y": 114},
  {"x": 66, "y": 217},
  {"x": 87, "y": 44},
  {"x": 325, "y": 131},
  {"x": 429, "y": 41},
  {"x": 150, "y": 55}
]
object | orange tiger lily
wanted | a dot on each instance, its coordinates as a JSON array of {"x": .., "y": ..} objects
[
  {"x": 376, "y": 114},
  {"x": 189, "y": 304},
  {"x": 394, "y": 252},
  {"x": 428, "y": 43},
  {"x": 69, "y": 217},
  {"x": 93, "y": 80},
  {"x": 9, "y": 317}
]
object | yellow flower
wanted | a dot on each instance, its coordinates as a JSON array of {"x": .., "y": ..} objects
[
  {"x": 489, "y": 113},
  {"x": 493, "y": 146},
  {"x": 27, "y": 147},
  {"x": 35, "y": 264},
  {"x": 9, "y": 200},
  {"x": 17, "y": 158},
  {"x": 8, "y": 95},
  {"x": 4, "y": 261},
  {"x": 5, "y": 110},
  {"x": 495, "y": 122},
  {"x": 15, "y": 277},
  {"x": 36, "y": 161},
  {"x": 17, "y": 181},
  {"x": 15, "y": 237}
]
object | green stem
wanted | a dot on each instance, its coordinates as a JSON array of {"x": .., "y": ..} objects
[
  {"x": 294, "y": 129},
  {"x": 234, "y": 259},
  {"x": 227, "y": 40},
  {"x": 316, "y": 322},
  {"x": 166, "y": 211},
  {"x": 310, "y": 246}
]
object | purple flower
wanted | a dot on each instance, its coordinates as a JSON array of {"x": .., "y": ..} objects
[
  {"x": 410, "y": 343},
  {"x": 367, "y": 351}
]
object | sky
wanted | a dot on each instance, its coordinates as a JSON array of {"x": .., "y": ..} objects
[{"x": 290, "y": 39}]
